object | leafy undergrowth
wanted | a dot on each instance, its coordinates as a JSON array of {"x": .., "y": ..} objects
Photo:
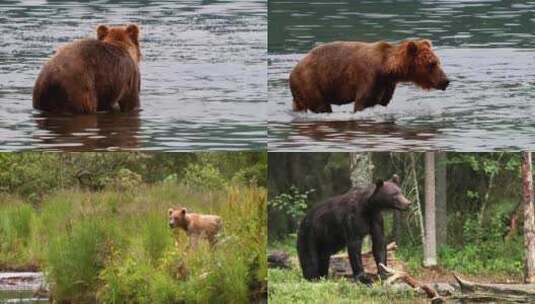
[
  {"x": 288, "y": 286},
  {"x": 116, "y": 246},
  {"x": 489, "y": 261}
]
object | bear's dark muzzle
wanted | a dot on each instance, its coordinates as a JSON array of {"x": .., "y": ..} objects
[{"x": 444, "y": 84}]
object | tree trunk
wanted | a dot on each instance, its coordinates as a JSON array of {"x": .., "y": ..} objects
[
  {"x": 361, "y": 168},
  {"x": 441, "y": 199},
  {"x": 430, "y": 248},
  {"x": 529, "y": 218},
  {"x": 417, "y": 195}
]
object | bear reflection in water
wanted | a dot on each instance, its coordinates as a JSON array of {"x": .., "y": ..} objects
[
  {"x": 99, "y": 131},
  {"x": 359, "y": 131},
  {"x": 344, "y": 221}
]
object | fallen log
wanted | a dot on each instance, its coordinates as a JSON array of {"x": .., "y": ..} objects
[
  {"x": 513, "y": 292},
  {"x": 490, "y": 298},
  {"x": 340, "y": 266},
  {"x": 412, "y": 282},
  {"x": 279, "y": 259}
]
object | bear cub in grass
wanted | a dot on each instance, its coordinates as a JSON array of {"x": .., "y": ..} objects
[
  {"x": 344, "y": 221},
  {"x": 363, "y": 73},
  {"x": 197, "y": 226},
  {"x": 91, "y": 75}
]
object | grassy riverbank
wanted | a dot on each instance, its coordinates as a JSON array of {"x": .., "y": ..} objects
[{"x": 115, "y": 246}]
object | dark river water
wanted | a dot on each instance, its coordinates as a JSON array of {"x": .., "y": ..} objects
[
  {"x": 203, "y": 75},
  {"x": 487, "y": 49}
]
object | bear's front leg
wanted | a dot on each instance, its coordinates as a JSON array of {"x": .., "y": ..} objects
[
  {"x": 354, "y": 247},
  {"x": 129, "y": 103},
  {"x": 387, "y": 93},
  {"x": 378, "y": 244}
]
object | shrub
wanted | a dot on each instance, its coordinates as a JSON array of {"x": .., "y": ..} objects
[
  {"x": 75, "y": 258},
  {"x": 124, "y": 180},
  {"x": 204, "y": 177},
  {"x": 156, "y": 237}
]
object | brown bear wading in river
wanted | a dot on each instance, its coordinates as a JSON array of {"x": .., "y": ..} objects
[
  {"x": 197, "y": 226},
  {"x": 90, "y": 75},
  {"x": 363, "y": 73}
]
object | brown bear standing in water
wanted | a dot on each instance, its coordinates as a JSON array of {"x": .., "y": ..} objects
[
  {"x": 195, "y": 225},
  {"x": 92, "y": 75},
  {"x": 363, "y": 73}
]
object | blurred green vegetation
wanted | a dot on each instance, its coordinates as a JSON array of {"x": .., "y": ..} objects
[{"x": 31, "y": 175}]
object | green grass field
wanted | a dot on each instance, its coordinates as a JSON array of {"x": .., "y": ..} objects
[
  {"x": 115, "y": 246},
  {"x": 498, "y": 265},
  {"x": 288, "y": 286}
]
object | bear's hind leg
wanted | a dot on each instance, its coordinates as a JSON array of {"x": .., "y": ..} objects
[
  {"x": 82, "y": 101},
  {"x": 129, "y": 102},
  {"x": 354, "y": 247}
]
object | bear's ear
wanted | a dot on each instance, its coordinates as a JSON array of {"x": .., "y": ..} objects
[
  {"x": 426, "y": 42},
  {"x": 133, "y": 32},
  {"x": 170, "y": 211},
  {"x": 183, "y": 211},
  {"x": 378, "y": 184},
  {"x": 395, "y": 179},
  {"x": 102, "y": 31},
  {"x": 412, "y": 48}
]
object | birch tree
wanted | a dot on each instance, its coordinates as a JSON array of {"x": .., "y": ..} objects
[
  {"x": 529, "y": 218},
  {"x": 430, "y": 248}
]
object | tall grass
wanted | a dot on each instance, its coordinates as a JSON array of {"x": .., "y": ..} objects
[
  {"x": 116, "y": 247},
  {"x": 15, "y": 233}
]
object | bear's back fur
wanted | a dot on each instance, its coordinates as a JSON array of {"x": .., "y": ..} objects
[{"x": 86, "y": 65}]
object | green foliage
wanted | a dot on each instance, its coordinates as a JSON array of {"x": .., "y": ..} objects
[
  {"x": 33, "y": 175},
  {"x": 288, "y": 286},
  {"x": 203, "y": 177},
  {"x": 115, "y": 247},
  {"x": 294, "y": 203},
  {"x": 484, "y": 250},
  {"x": 155, "y": 237},
  {"x": 16, "y": 222},
  {"x": 125, "y": 180},
  {"x": 75, "y": 258},
  {"x": 130, "y": 280},
  {"x": 256, "y": 175}
]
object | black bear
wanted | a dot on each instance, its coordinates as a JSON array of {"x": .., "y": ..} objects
[{"x": 343, "y": 221}]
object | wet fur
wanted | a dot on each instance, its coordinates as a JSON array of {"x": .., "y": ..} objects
[
  {"x": 91, "y": 75},
  {"x": 363, "y": 73}
]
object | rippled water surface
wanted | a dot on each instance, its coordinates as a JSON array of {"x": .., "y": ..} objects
[
  {"x": 203, "y": 75},
  {"x": 487, "y": 49}
]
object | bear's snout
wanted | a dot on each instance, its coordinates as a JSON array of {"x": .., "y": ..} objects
[
  {"x": 444, "y": 84},
  {"x": 403, "y": 203}
]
